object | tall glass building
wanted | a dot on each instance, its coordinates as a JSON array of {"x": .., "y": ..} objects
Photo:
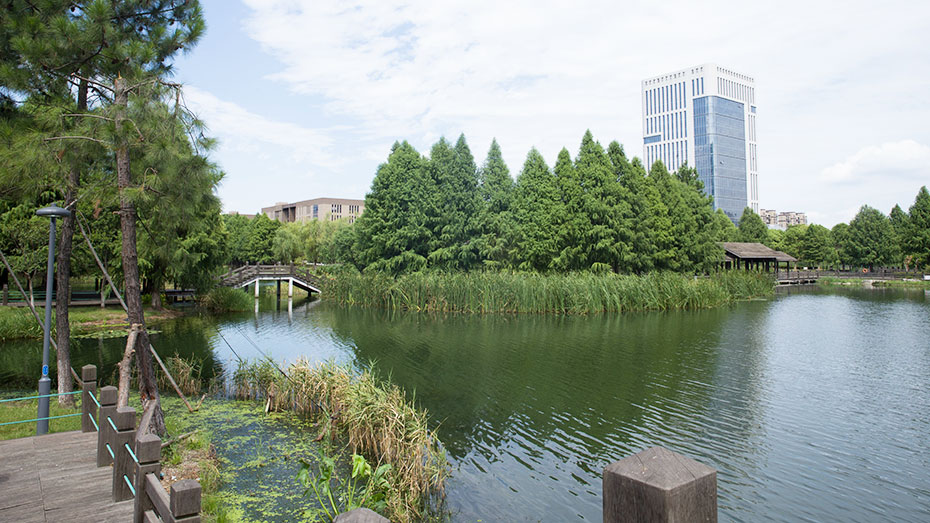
[{"x": 705, "y": 116}]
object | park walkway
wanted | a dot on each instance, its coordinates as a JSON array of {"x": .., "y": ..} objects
[{"x": 55, "y": 478}]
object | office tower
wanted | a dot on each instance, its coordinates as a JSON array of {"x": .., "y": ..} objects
[{"x": 706, "y": 116}]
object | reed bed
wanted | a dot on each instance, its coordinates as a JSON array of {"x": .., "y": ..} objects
[
  {"x": 573, "y": 293},
  {"x": 374, "y": 416},
  {"x": 225, "y": 299}
]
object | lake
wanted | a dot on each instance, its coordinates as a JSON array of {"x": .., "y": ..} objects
[{"x": 812, "y": 406}]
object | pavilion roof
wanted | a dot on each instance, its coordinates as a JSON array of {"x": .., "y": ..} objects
[{"x": 755, "y": 252}]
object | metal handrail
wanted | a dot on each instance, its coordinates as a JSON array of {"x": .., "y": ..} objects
[
  {"x": 42, "y": 396},
  {"x": 39, "y": 419}
]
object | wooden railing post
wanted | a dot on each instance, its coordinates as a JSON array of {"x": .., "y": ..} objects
[
  {"x": 107, "y": 409},
  {"x": 658, "y": 485},
  {"x": 123, "y": 463},
  {"x": 88, "y": 395},
  {"x": 185, "y": 501},
  {"x": 148, "y": 450}
]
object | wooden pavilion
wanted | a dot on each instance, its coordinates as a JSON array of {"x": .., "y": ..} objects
[{"x": 738, "y": 255}]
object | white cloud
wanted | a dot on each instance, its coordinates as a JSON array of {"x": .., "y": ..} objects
[
  {"x": 894, "y": 160},
  {"x": 239, "y": 129}
]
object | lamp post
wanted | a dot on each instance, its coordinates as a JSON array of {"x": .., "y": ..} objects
[{"x": 45, "y": 384}]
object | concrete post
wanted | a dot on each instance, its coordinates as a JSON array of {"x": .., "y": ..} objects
[
  {"x": 107, "y": 409},
  {"x": 279, "y": 289},
  {"x": 185, "y": 501},
  {"x": 257, "y": 281},
  {"x": 658, "y": 485},
  {"x": 89, "y": 390},
  {"x": 148, "y": 450},
  {"x": 123, "y": 463},
  {"x": 290, "y": 287}
]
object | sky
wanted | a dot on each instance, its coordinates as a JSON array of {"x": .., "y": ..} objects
[{"x": 306, "y": 97}]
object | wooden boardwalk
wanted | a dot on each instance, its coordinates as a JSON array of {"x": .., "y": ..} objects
[{"x": 55, "y": 478}]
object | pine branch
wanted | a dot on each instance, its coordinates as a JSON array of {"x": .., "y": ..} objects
[{"x": 76, "y": 138}]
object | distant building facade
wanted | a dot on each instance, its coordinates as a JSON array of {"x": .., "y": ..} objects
[
  {"x": 782, "y": 220},
  {"x": 706, "y": 116},
  {"x": 331, "y": 209}
]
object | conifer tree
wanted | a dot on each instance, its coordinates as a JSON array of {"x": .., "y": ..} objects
[
  {"x": 538, "y": 215},
  {"x": 571, "y": 255},
  {"x": 751, "y": 227},
  {"x": 496, "y": 220},
  {"x": 917, "y": 242},
  {"x": 871, "y": 238},
  {"x": 394, "y": 233},
  {"x": 900, "y": 223},
  {"x": 659, "y": 181}
]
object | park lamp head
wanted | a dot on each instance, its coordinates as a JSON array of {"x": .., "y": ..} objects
[{"x": 53, "y": 211}]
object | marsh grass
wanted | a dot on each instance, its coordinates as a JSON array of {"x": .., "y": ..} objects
[
  {"x": 572, "y": 293},
  {"x": 225, "y": 299},
  {"x": 374, "y": 417}
]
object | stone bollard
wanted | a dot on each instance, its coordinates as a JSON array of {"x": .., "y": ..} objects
[
  {"x": 89, "y": 391},
  {"x": 185, "y": 501},
  {"x": 658, "y": 485},
  {"x": 148, "y": 450},
  {"x": 123, "y": 462},
  {"x": 107, "y": 410},
  {"x": 361, "y": 515}
]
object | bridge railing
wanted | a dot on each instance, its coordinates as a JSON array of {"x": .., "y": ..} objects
[{"x": 136, "y": 457}]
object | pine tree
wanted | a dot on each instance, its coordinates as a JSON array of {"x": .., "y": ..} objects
[
  {"x": 871, "y": 238},
  {"x": 900, "y": 223},
  {"x": 572, "y": 255}
]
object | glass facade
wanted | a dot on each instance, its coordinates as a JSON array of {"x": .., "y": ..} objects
[{"x": 720, "y": 152}]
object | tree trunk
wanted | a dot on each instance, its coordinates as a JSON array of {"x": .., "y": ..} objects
[
  {"x": 148, "y": 388},
  {"x": 122, "y": 395},
  {"x": 157, "y": 285},
  {"x": 63, "y": 273}
]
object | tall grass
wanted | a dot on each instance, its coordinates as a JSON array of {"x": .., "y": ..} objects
[
  {"x": 225, "y": 299},
  {"x": 573, "y": 293},
  {"x": 375, "y": 417},
  {"x": 17, "y": 322}
]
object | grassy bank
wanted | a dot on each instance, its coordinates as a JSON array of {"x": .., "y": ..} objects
[
  {"x": 903, "y": 284},
  {"x": 226, "y": 299},
  {"x": 18, "y": 322},
  {"x": 574, "y": 293},
  {"x": 373, "y": 419}
]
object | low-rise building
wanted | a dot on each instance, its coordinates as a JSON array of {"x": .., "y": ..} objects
[
  {"x": 782, "y": 220},
  {"x": 331, "y": 209}
]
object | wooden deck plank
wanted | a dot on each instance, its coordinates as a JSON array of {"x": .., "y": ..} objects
[{"x": 55, "y": 478}]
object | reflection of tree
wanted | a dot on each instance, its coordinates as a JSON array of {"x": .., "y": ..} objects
[
  {"x": 191, "y": 338},
  {"x": 489, "y": 379}
]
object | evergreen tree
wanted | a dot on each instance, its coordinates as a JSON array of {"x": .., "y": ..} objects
[
  {"x": 817, "y": 245},
  {"x": 871, "y": 238},
  {"x": 751, "y": 227},
  {"x": 538, "y": 215},
  {"x": 456, "y": 177},
  {"x": 394, "y": 233},
  {"x": 642, "y": 199},
  {"x": 792, "y": 239},
  {"x": 840, "y": 234},
  {"x": 899, "y": 224},
  {"x": 606, "y": 237},
  {"x": 496, "y": 220},
  {"x": 260, "y": 245},
  {"x": 917, "y": 241},
  {"x": 666, "y": 256},
  {"x": 571, "y": 255},
  {"x": 726, "y": 231}
]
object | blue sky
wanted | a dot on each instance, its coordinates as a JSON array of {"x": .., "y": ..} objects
[{"x": 306, "y": 97}]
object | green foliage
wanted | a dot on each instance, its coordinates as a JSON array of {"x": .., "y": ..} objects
[
  {"x": 727, "y": 231},
  {"x": 394, "y": 234},
  {"x": 363, "y": 488},
  {"x": 226, "y": 299},
  {"x": 538, "y": 215},
  {"x": 260, "y": 245},
  {"x": 559, "y": 293},
  {"x": 496, "y": 221},
  {"x": 455, "y": 227},
  {"x": 871, "y": 238},
  {"x": 917, "y": 241},
  {"x": 751, "y": 227},
  {"x": 817, "y": 246}
]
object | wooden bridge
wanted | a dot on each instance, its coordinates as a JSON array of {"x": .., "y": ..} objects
[
  {"x": 798, "y": 277},
  {"x": 109, "y": 471},
  {"x": 254, "y": 274}
]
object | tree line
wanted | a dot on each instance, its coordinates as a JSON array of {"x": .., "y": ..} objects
[
  {"x": 871, "y": 239},
  {"x": 599, "y": 211}
]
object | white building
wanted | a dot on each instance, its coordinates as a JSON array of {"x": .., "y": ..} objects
[{"x": 706, "y": 116}]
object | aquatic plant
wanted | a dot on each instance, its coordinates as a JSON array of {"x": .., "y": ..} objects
[
  {"x": 374, "y": 418},
  {"x": 571, "y": 293},
  {"x": 225, "y": 299},
  {"x": 363, "y": 488}
]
